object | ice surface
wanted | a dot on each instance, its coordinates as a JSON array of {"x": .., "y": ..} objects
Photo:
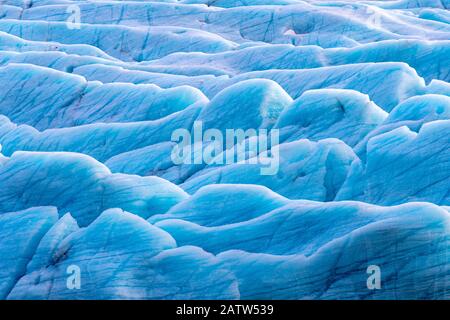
[
  {"x": 99, "y": 140},
  {"x": 105, "y": 37},
  {"x": 20, "y": 236},
  {"x": 237, "y": 203},
  {"x": 358, "y": 91},
  {"x": 308, "y": 170},
  {"x": 86, "y": 102},
  {"x": 80, "y": 185},
  {"x": 330, "y": 113},
  {"x": 390, "y": 83},
  {"x": 124, "y": 256},
  {"x": 345, "y": 259},
  {"x": 415, "y": 164},
  {"x": 127, "y": 257}
]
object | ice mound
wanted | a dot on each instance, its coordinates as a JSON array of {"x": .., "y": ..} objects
[
  {"x": 308, "y": 170},
  {"x": 346, "y": 258},
  {"x": 127, "y": 257},
  {"x": 238, "y": 203},
  {"x": 20, "y": 236},
  {"x": 248, "y": 104},
  {"x": 348, "y": 169},
  {"x": 11, "y": 43},
  {"x": 99, "y": 140},
  {"x": 151, "y": 269},
  {"x": 412, "y": 113},
  {"x": 330, "y": 113},
  {"x": 391, "y": 83},
  {"x": 86, "y": 102},
  {"x": 266, "y": 57},
  {"x": 106, "y": 36},
  {"x": 415, "y": 164},
  {"x": 80, "y": 185}
]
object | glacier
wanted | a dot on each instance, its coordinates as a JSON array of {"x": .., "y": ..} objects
[{"x": 92, "y": 94}]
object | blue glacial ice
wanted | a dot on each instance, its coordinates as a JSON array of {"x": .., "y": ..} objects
[
  {"x": 87, "y": 101},
  {"x": 358, "y": 92},
  {"x": 80, "y": 185}
]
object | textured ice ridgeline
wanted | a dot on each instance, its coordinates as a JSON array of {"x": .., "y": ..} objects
[
  {"x": 317, "y": 131},
  {"x": 123, "y": 256},
  {"x": 359, "y": 92},
  {"x": 315, "y": 23}
]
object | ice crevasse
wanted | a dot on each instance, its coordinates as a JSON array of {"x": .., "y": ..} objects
[{"x": 358, "y": 91}]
